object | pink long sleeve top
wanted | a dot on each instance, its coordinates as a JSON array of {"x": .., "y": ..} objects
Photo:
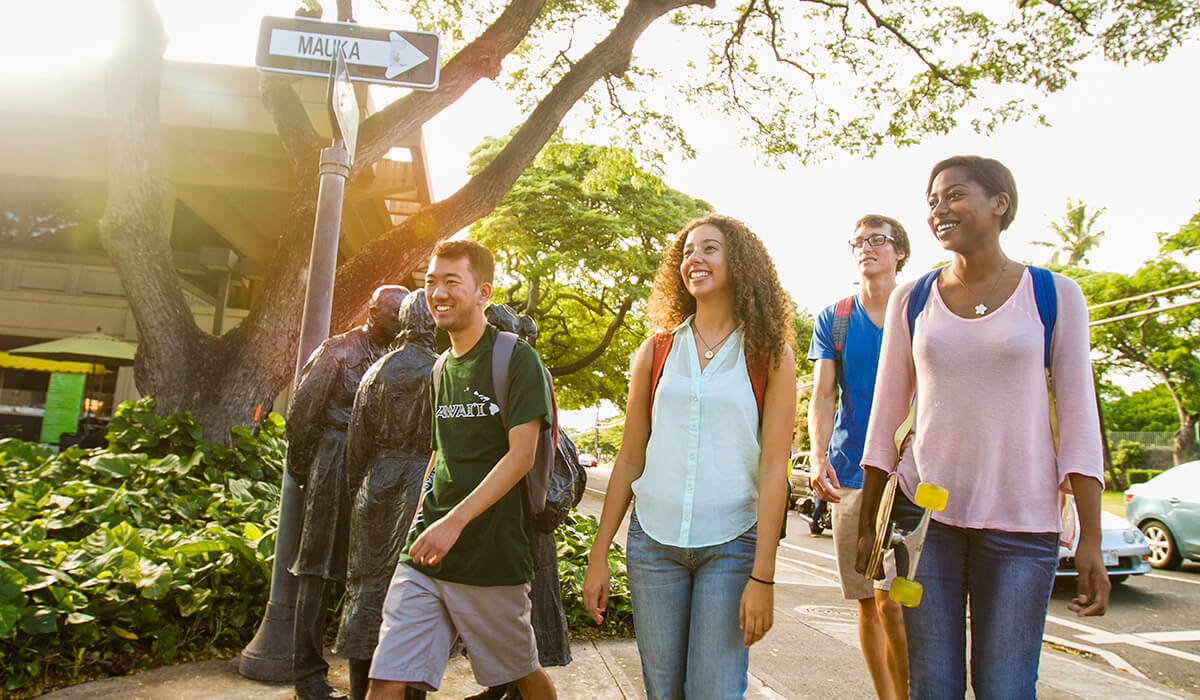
[{"x": 982, "y": 421}]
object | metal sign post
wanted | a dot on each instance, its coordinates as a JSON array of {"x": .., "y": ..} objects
[{"x": 268, "y": 657}]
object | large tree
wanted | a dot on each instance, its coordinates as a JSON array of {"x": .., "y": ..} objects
[
  {"x": 579, "y": 239},
  {"x": 1164, "y": 345},
  {"x": 803, "y": 77}
]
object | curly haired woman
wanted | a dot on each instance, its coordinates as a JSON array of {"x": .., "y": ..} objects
[{"x": 704, "y": 451}]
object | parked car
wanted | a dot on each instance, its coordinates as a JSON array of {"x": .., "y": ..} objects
[
  {"x": 1122, "y": 545},
  {"x": 1167, "y": 509},
  {"x": 798, "y": 478},
  {"x": 586, "y": 459},
  {"x": 802, "y": 498}
]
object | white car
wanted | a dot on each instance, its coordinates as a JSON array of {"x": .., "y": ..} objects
[
  {"x": 586, "y": 459},
  {"x": 1122, "y": 545}
]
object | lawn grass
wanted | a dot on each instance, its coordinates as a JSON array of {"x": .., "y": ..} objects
[{"x": 1113, "y": 502}]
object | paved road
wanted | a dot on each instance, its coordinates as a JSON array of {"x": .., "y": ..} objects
[{"x": 1152, "y": 629}]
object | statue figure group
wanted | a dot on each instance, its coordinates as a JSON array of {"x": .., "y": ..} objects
[{"x": 359, "y": 443}]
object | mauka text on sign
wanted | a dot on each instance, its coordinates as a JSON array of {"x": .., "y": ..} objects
[{"x": 381, "y": 56}]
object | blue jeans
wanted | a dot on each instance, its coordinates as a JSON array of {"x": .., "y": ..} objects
[
  {"x": 685, "y": 611},
  {"x": 1006, "y": 578}
]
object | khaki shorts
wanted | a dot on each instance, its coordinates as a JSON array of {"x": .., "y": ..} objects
[
  {"x": 855, "y": 586},
  {"x": 422, "y": 616}
]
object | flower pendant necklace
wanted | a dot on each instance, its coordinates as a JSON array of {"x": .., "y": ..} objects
[
  {"x": 981, "y": 308},
  {"x": 710, "y": 352}
]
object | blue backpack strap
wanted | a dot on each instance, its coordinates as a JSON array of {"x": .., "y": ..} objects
[
  {"x": 918, "y": 296},
  {"x": 502, "y": 353},
  {"x": 1047, "y": 305}
]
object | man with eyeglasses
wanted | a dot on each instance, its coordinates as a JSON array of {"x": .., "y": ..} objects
[{"x": 845, "y": 349}]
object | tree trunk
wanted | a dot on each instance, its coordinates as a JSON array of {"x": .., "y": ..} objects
[
  {"x": 1186, "y": 449},
  {"x": 224, "y": 380}
]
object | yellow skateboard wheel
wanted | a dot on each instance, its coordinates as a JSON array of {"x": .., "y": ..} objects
[
  {"x": 931, "y": 496},
  {"x": 906, "y": 592}
]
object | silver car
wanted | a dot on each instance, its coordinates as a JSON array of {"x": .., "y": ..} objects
[
  {"x": 1167, "y": 509},
  {"x": 1123, "y": 547}
]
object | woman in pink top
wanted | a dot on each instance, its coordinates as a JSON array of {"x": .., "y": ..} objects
[{"x": 975, "y": 358}]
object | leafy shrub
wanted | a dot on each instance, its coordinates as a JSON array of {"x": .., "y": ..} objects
[
  {"x": 1128, "y": 455},
  {"x": 1141, "y": 476},
  {"x": 153, "y": 548},
  {"x": 158, "y": 549},
  {"x": 574, "y": 540}
]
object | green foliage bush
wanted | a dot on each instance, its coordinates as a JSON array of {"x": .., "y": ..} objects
[
  {"x": 1141, "y": 476},
  {"x": 154, "y": 548},
  {"x": 574, "y": 540},
  {"x": 158, "y": 549},
  {"x": 1128, "y": 455}
]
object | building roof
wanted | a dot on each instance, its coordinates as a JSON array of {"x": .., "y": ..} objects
[{"x": 224, "y": 162}]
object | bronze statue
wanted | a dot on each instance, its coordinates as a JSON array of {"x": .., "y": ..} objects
[
  {"x": 386, "y": 455},
  {"x": 316, "y": 429}
]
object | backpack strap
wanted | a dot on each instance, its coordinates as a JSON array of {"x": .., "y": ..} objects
[
  {"x": 438, "y": 364},
  {"x": 1047, "y": 306},
  {"x": 918, "y": 296},
  {"x": 502, "y": 352},
  {"x": 841, "y": 321},
  {"x": 662, "y": 347},
  {"x": 758, "y": 382}
]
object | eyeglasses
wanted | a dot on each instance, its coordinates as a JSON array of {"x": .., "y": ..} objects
[{"x": 875, "y": 239}]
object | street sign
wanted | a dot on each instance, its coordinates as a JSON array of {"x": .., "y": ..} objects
[
  {"x": 381, "y": 56},
  {"x": 344, "y": 104}
]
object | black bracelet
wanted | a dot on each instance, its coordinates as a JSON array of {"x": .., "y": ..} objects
[{"x": 765, "y": 583}]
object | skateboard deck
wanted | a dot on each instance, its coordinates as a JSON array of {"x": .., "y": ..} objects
[{"x": 905, "y": 589}]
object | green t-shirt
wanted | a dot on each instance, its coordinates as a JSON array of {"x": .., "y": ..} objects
[{"x": 470, "y": 438}]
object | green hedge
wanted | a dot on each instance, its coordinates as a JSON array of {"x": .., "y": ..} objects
[
  {"x": 153, "y": 548},
  {"x": 1141, "y": 476},
  {"x": 158, "y": 549}
]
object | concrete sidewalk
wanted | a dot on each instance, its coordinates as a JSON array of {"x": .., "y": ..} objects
[{"x": 802, "y": 659}]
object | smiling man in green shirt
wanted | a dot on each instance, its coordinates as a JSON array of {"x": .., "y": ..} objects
[{"x": 467, "y": 567}]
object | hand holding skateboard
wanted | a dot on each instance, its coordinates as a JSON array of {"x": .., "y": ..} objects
[{"x": 907, "y": 545}]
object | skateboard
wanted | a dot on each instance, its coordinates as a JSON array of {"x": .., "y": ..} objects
[{"x": 905, "y": 590}]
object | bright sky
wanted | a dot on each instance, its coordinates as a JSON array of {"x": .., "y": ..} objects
[{"x": 1124, "y": 138}]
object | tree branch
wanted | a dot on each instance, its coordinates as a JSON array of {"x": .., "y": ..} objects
[
  {"x": 920, "y": 54},
  {"x": 479, "y": 59},
  {"x": 597, "y": 351},
  {"x": 1073, "y": 14},
  {"x": 408, "y": 244}
]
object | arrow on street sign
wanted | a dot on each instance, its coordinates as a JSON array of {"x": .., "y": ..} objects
[{"x": 382, "y": 56}]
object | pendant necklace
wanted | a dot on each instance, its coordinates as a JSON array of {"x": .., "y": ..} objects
[
  {"x": 981, "y": 308},
  {"x": 708, "y": 354}
]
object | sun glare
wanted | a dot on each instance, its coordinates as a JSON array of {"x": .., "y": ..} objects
[{"x": 42, "y": 39}]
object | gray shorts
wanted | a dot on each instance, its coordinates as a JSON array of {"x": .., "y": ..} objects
[
  {"x": 855, "y": 586},
  {"x": 422, "y": 616}
]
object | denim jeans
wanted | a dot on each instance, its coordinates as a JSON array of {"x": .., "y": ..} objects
[
  {"x": 685, "y": 611},
  {"x": 1006, "y": 579}
]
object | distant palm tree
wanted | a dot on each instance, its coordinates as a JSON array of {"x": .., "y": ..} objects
[{"x": 1075, "y": 236}]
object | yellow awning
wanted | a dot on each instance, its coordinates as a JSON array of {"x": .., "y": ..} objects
[{"x": 39, "y": 365}]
